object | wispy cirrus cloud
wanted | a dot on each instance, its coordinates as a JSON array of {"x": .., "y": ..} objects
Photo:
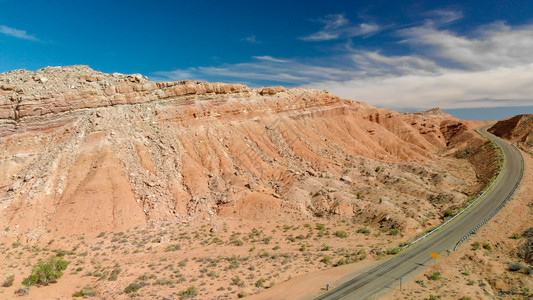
[
  {"x": 261, "y": 70},
  {"x": 488, "y": 67},
  {"x": 442, "y": 17},
  {"x": 337, "y": 26},
  {"x": 17, "y": 33},
  {"x": 270, "y": 58},
  {"x": 492, "y": 46},
  {"x": 251, "y": 39}
]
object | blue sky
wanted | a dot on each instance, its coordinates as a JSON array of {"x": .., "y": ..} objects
[{"x": 403, "y": 55}]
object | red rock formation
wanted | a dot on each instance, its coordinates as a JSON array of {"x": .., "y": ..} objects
[{"x": 87, "y": 151}]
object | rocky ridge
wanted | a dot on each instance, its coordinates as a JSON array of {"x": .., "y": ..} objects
[
  {"x": 84, "y": 151},
  {"x": 52, "y": 90}
]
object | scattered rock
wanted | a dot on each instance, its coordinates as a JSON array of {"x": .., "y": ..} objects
[
  {"x": 22, "y": 291},
  {"x": 215, "y": 228},
  {"x": 346, "y": 179}
]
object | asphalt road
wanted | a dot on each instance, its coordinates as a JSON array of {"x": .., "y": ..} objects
[{"x": 387, "y": 274}]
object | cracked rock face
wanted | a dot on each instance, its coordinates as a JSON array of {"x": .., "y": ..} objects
[{"x": 84, "y": 151}]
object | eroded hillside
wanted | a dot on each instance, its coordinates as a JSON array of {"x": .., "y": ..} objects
[
  {"x": 84, "y": 151},
  {"x": 118, "y": 174},
  {"x": 518, "y": 129}
]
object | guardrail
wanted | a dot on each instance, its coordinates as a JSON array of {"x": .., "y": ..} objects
[
  {"x": 496, "y": 210},
  {"x": 461, "y": 212}
]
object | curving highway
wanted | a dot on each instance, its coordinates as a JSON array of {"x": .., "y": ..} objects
[{"x": 388, "y": 274}]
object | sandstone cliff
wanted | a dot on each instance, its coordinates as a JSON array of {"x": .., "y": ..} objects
[{"x": 84, "y": 151}]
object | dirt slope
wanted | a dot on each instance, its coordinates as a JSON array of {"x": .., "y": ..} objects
[{"x": 518, "y": 129}]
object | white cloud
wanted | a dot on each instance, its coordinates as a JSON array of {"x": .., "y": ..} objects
[
  {"x": 490, "y": 67},
  {"x": 265, "y": 68},
  {"x": 451, "y": 89},
  {"x": 17, "y": 33},
  {"x": 376, "y": 64},
  {"x": 251, "y": 39},
  {"x": 494, "y": 46},
  {"x": 441, "y": 17},
  {"x": 270, "y": 58},
  {"x": 337, "y": 26}
]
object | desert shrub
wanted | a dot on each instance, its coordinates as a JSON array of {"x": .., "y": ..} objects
[
  {"x": 46, "y": 272},
  {"x": 237, "y": 242},
  {"x": 175, "y": 247},
  {"x": 528, "y": 233},
  {"x": 394, "y": 232},
  {"x": 9, "y": 281},
  {"x": 242, "y": 294},
  {"x": 190, "y": 292},
  {"x": 340, "y": 262},
  {"x": 326, "y": 259},
  {"x": 403, "y": 243},
  {"x": 434, "y": 276},
  {"x": 449, "y": 213},
  {"x": 259, "y": 283},
  {"x": 363, "y": 231},
  {"x": 132, "y": 287},
  {"x": 114, "y": 274},
  {"x": 22, "y": 291},
  {"x": 320, "y": 226},
  {"x": 525, "y": 291},
  {"x": 237, "y": 281},
  {"x": 487, "y": 246},
  {"x": 476, "y": 245},
  {"x": 432, "y": 297},
  {"x": 86, "y": 291},
  {"x": 164, "y": 281},
  {"x": 515, "y": 267},
  {"x": 325, "y": 247},
  {"x": 143, "y": 277},
  {"x": 393, "y": 251},
  {"x": 341, "y": 234},
  {"x": 466, "y": 298},
  {"x": 515, "y": 236}
]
